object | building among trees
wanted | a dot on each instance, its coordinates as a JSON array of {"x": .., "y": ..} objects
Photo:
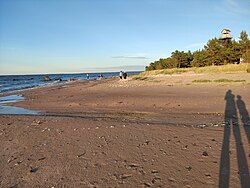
[
  {"x": 217, "y": 51},
  {"x": 226, "y": 37},
  {"x": 226, "y": 34}
]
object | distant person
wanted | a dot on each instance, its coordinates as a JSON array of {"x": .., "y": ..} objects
[
  {"x": 88, "y": 77},
  {"x": 120, "y": 74},
  {"x": 101, "y": 76},
  {"x": 125, "y": 75}
]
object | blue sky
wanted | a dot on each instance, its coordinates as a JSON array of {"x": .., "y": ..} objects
[{"x": 64, "y": 36}]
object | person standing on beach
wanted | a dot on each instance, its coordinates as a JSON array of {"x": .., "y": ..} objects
[
  {"x": 125, "y": 75},
  {"x": 101, "y": 76},
  {"x": 120, "y": 74},
  {"x": 87, "y": 76}
]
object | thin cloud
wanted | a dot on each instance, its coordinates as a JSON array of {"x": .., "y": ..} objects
[
  {"x": 114, "y": 68},
  {"x": 234, "y": 7},
  {"x": 130, "y": 57},
  {"x": 195, "y": 46}
]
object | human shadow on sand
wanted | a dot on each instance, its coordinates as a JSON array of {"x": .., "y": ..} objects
[
  {"x": 244, "y": 116},
  {"x": 231, "y": 122}
]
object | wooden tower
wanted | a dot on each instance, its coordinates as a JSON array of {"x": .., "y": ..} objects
[{"x": 226, "y": 37}]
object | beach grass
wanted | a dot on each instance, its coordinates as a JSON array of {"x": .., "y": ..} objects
[
  {"x": 165, "y": 71},
  {"x": 141, "y": 78},
  {"x": 230, "y": 68},
  {"x": 228, "y": 80},
  {"x": 201, "y": 81},
  {"x": 222, "y": 80}
]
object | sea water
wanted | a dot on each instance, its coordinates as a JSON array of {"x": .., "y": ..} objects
[
  {"x": 12, "y": 83},
  {"x": 4, "y": 109}
]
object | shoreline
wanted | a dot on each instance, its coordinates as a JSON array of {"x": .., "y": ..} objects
[
  {"x": 126, "y": 133},
  {"x": 38, "y": 87},
  {"x": 14, "y": 83}
]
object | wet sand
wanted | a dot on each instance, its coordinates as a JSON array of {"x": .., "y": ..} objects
[{"x": 165, "y": 131}]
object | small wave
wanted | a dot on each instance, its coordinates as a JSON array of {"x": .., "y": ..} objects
[
  {"x": 11, "y": 99},
  {"x": 23, "y": 82}
]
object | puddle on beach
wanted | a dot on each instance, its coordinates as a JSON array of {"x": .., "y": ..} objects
[
  {"x": 11, "y": 98},
  {"x": 5, "y": 109}
]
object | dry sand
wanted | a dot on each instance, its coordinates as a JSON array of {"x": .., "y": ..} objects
[{"x": 162, "y": 132}]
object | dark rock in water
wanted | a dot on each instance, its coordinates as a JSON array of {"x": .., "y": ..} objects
[
  {"x": 72, "y": 79},
  {"x": 58, "y": 79},
  {"x": 205, "y": 153},
  {"x": 46, "y": 78}
]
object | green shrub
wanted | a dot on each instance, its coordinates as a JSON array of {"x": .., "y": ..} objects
[
  {"x": 140, "y": 78},
  {"x": 223, "y": 80},
  {"x": 201, "y": 81},
  {"x": 229, "y": 68},
  {"x": 239, "y": 80},
  {"x": 248, "y": 70},
  {"x": 227, "y": 80}
]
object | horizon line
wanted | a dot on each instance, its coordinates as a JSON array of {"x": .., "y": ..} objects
[{"x": 98, "y": 72}]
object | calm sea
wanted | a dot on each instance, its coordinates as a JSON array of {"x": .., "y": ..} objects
[{"x": 13, "y": 83}]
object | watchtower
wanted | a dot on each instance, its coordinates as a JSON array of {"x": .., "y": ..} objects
[{"x": 226, "y": 37}]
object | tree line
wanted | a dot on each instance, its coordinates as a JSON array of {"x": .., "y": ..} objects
[{"x": 215, "y": 52}]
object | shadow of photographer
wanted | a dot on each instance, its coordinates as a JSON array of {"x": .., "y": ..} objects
[
  {"x": 244, "y": 116},
  {"x": 231, "y": 122}
]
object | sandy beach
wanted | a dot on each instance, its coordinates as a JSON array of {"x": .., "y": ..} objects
[{"x": 165, "y": 131}]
